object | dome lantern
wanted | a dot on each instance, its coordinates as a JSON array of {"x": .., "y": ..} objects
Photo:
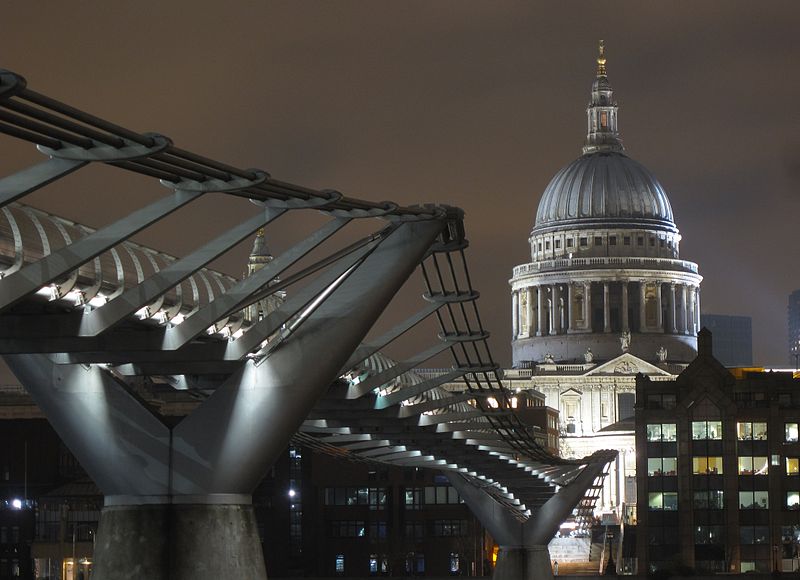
[{"x": 601, "y": 114}]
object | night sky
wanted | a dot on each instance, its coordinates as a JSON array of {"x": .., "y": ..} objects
[{"x": 475, "y": 104}]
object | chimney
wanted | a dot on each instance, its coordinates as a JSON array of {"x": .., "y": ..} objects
[{"x": 704, "y": 342}]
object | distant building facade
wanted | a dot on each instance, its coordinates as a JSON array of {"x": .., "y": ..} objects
[
  {"x": 793, "y": 323},
  {"x": 718, "y": 473},
  {"x": 733, "y": 338}
]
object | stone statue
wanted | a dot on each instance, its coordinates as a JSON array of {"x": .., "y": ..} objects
[
  {"x": 549, "y": 359},
  {"x": 625, "y": 340},
  {"x": 661, "y": 354},
  {"x": 588, "y": 356}
]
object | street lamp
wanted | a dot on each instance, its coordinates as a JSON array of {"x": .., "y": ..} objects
[{"x": 86, "y": 562}]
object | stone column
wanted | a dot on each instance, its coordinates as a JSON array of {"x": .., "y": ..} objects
[
  {"x": 625, "y": 305},
  {"x": 529, "y": 312},
  {"x": 541, "y": 306},
  {"x": 685, "y": 307},
  {"x": 672, "y": 312},
  {"x": 697, "y": 306},
  {"x": 642, "y": 304},
  {"x": 570, "y": 321},
  {"x": 553, "y": 309},
  {"x": 587, "y": 305},
  {"x": 514, "y": 315},
  {"x": 659, "y": 312},
  {"x": 606, "y": 308},
  {"x": 692, "y": 310}
]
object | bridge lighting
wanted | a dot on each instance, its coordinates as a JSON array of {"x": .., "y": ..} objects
[
  {"x": 44, "y": 291},
  {"x": 98, "y": 301}
]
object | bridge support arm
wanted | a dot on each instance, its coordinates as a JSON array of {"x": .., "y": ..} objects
[
  {"x": 523, "y": 551},
  {"x": 248, "y": 421},
  {"x": 122, "y": 445},
  {"x": 543, "y": 525}
]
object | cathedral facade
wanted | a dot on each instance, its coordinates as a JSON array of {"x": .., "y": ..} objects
[{"x": 606, "y": 296}]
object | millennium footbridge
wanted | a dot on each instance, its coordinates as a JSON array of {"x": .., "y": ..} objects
[{"x": 87, "y": 315}]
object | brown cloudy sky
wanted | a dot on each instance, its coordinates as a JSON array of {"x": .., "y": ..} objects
[{"x": 476, "y": 104}]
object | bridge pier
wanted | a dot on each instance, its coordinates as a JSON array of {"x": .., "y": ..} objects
[
  {"x": 516, "y": 562},
  {"x": 177, "y": 498},
  {"x": 178, "y": 542}
]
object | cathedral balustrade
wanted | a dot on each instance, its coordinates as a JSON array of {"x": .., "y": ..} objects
[{"x": 605, "y": 261}]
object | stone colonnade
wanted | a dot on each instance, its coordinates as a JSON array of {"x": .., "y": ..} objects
[{"x": 562, "y": 308}]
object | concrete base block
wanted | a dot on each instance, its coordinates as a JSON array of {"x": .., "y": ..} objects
[
  {"x": 178, "y": 542},
  {"x": 523, "y": 563}
]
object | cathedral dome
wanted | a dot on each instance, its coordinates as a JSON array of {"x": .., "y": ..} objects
[{"x": 604, "y": 186}]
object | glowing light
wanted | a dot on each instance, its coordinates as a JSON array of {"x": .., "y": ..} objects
[
  {"x": 98, "y": 301},
  {"x": 16, "y": 504},
  {"x": 292, "y": 493}
]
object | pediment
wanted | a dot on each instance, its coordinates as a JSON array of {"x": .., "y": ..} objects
[
  {"x": 572, "y": 391},
  {"x": 627, "y": 364}
]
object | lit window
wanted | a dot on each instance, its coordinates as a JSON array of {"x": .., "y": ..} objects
[
  {"x": 654, "y": 466},
  {"x": 667, "y": 466},
  {"x": 707, "y": 465},
  {"x": 455, "y": 563},
  {"x": 753, "y": 500},
  {"x": 791, "y": 432},
  {"x": 339, "y": 564},
  {"x": 751, "y": 431},
  {"x": 373, "y": 564},
  {"x": 792, "y": 465},
  {"x": 706, "y": 430},
  {"x": 662, "y": 432},
  {"x": 753, "y": 466},
  {"x": 793, "y": 500},
  {"x": 662, "y": 500}
]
